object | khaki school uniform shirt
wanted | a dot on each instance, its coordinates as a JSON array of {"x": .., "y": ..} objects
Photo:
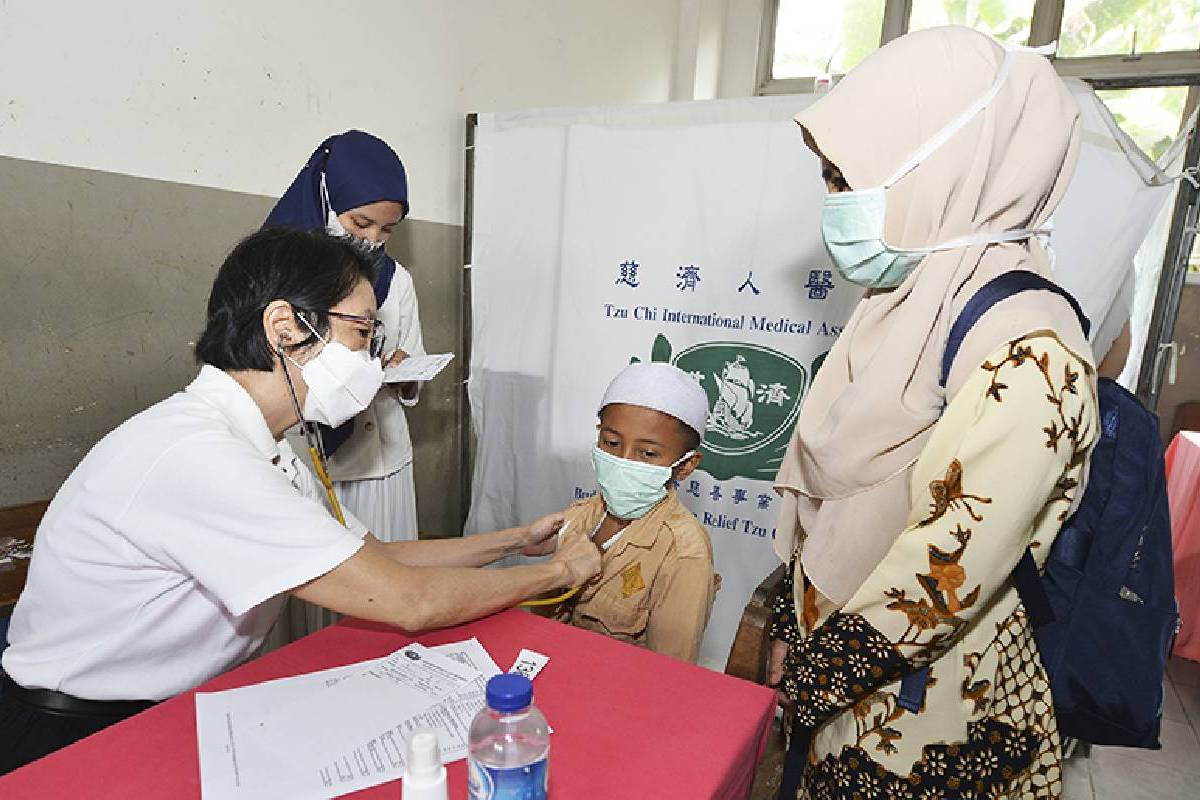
[{"x": 655, "y": 587}]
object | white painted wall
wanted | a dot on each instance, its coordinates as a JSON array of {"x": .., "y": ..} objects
[{"x": 235, "y": 95}]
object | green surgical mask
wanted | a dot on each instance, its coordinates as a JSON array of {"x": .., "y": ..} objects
[
  {"x": 852, "y": 223},
  {"x": 631, "y": 488}
]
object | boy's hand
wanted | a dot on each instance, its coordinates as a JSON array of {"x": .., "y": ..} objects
[{"x": 540, "y": 535}]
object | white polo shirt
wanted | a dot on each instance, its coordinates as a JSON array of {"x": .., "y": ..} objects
[{"x": 165, "y": 557}]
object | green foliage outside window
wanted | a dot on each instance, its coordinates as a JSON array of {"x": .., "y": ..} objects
[{"x": 1108, "y": 27}]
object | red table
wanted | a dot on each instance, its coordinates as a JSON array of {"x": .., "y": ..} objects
[
  {"x": 1183, "y": 489},
  {"x": 628, "y": 723}
]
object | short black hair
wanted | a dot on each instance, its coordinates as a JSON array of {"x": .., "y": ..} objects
[
  {"x": 309, "y": 269},
  {"x": 690, "y": 436}
]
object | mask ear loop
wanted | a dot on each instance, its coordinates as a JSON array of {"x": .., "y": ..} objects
[{"x": 316, "y": 447}]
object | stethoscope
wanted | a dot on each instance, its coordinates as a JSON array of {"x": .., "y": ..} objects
[
  {"x": 567, "y": 595},
  {"x": 316, "y": 447},
  {"x": 316, "y": 450}
]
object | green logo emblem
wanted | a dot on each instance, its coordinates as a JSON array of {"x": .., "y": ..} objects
[{"x": 754, "y": 395}]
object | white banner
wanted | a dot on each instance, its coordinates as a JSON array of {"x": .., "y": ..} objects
[{"x": 682, "y": 233}]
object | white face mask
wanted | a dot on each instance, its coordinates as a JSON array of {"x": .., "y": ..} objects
[
  {"x": 341, "y": 382},
  {"x": 334, "y": 226}
]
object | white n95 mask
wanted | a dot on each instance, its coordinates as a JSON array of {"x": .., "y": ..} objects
[
  {"x": 852, "y": 223},
  {"x": 341, "y": 382}
]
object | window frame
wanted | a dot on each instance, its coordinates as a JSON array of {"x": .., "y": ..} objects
[{"x": 1129, "y": 71}]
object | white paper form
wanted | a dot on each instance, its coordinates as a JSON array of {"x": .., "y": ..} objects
[
  {"x": 451, "y": 717},
  {"x": 299, "y": 740},
  {"x": 417, "y": 368},
  {"x": 233, "y": 761},
  {"x": 353, "y": 733}
]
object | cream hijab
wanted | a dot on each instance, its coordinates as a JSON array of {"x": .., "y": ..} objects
[{"x": 845, "y": 477}]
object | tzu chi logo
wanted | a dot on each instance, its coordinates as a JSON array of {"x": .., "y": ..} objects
[{"x": 754, "y": 395}]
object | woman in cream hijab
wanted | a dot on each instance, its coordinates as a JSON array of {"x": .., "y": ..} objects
[{"x": 907, "y": 505}]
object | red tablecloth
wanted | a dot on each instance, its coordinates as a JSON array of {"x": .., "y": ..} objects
[
  {"x": 1183, "y": 488},
  {"x": 628, "y": 723}
]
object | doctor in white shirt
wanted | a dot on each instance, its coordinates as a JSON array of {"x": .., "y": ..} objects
[{"x": 165, "y": 557}]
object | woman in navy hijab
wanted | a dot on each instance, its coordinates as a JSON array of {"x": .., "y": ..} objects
[{"x": 355, "y": 185}]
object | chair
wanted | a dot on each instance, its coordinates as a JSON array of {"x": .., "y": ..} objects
[
  {"x": 18, "y": 522},
  {"x": 748, "y": 656}
]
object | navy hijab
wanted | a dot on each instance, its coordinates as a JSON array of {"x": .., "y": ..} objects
[{"x": 359, "y": 169}]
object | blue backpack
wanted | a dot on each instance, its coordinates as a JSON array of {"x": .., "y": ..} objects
[{"x": 1103, "y": 611}]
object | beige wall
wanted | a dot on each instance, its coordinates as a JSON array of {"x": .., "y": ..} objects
[
  {"x": 103, "y": 283},
  {"x": 235, "y": 95}
]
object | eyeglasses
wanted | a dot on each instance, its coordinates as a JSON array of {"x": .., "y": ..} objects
[{"x": 378, "y": 336}]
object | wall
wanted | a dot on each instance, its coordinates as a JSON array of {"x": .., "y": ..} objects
[
  {"x": 139, "y": 141},
  {"x": 234, "y": 95}
]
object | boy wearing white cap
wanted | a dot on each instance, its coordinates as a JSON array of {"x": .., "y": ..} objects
[{"x": 655, "y": 588}]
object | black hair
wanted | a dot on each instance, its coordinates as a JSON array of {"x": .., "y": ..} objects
[
  {"x": 690, "y": 437},
  {"x": 309, "y": 269}
]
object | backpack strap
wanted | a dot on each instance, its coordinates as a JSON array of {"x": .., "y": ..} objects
[
  {"x": 1025, "y": 576},
  {"x": 999, "y": 288}
]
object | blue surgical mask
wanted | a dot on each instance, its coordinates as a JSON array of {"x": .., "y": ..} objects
[
  {"x": 631, "y": 488},
  {"x": 852, "y": 223}
]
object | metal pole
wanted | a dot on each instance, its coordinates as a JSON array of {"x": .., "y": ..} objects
[
  {"x": 1170, "y": 282},
  {"x": 466, "y": 467}
]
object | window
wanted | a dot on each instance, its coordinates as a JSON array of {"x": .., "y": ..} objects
[
  {"x": 1152, "y": 116},
  {"x": 1122, "y": 27},
  {"x": 1111, "y": 43},
  {"x": 1007, "y": 21},
  {"x": 824, "y": 38}
]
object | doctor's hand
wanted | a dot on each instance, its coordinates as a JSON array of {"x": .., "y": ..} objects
[
  {"x": 580, "y": 557},
  {"x": 540, "y": 535}
]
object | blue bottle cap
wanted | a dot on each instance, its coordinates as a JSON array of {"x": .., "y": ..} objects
[{"x": 508, "y": 693}]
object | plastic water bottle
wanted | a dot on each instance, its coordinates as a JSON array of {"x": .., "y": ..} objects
[{"x": 509, "y": 744}]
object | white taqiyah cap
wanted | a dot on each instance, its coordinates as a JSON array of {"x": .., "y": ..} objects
[{"x": 664, "y": 388}]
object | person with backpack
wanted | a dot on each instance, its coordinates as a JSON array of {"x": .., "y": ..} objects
[{"x": 909, "y": 497}]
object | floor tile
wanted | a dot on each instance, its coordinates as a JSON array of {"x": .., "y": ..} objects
[
  {"x": 1184, "y": 672},
  {"x": 1189, "y": 700},
  {"x": 1180, "y": 751},
  {"x": 1118, "y": 777},
  {"x": 1172, "y": 707},
  {"x": 1077, "y": 779}
]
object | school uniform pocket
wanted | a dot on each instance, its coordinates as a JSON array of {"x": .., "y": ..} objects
[{"x": 619, "y": 615}]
